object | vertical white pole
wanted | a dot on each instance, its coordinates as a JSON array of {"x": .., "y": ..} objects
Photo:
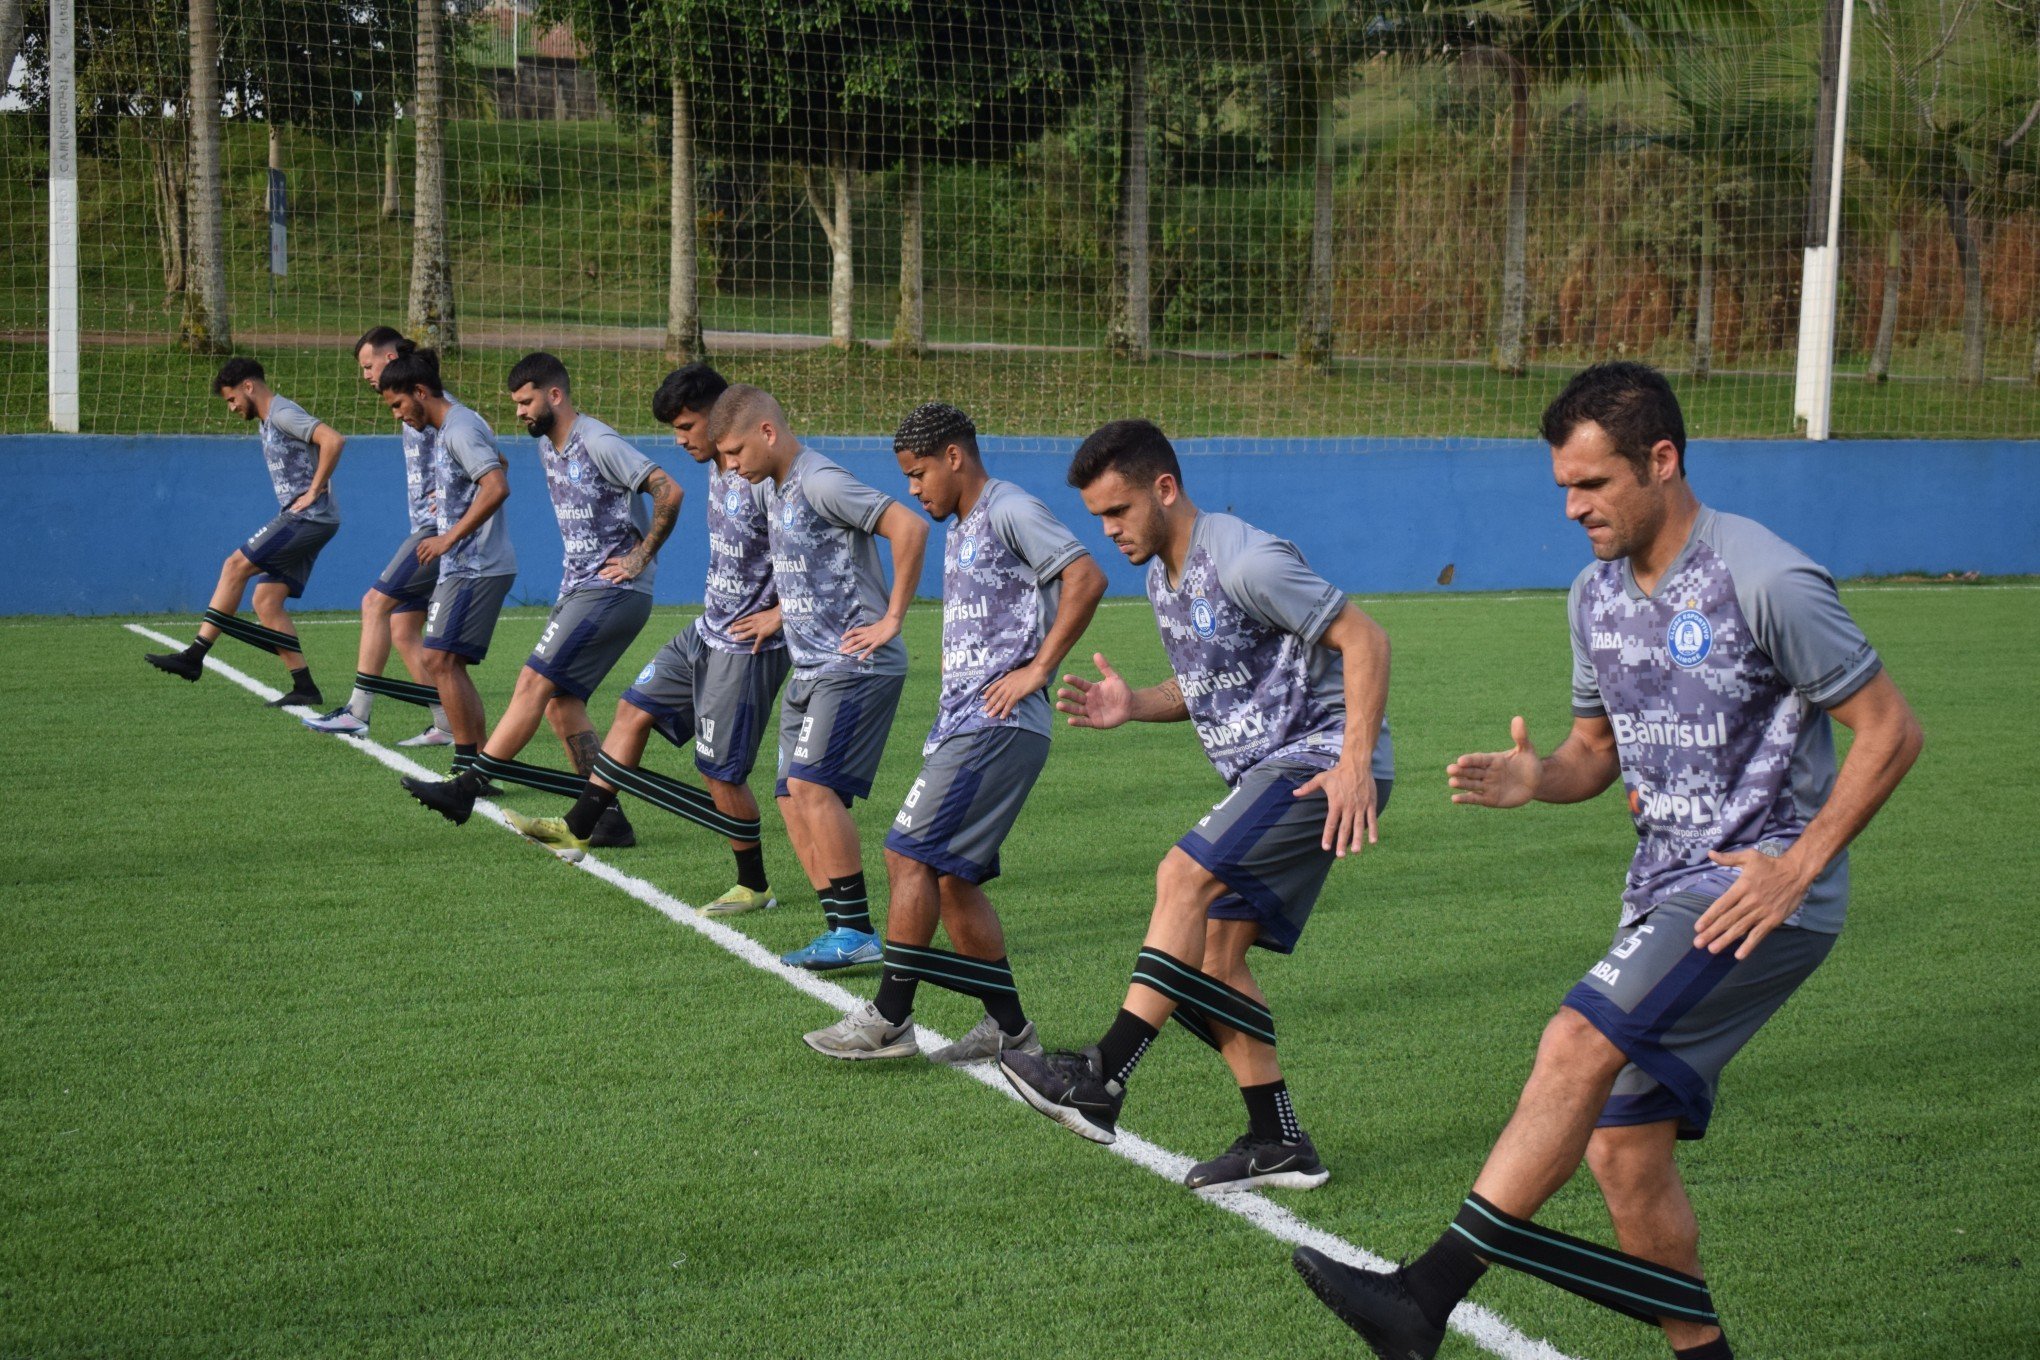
[
  {"x": 63, "y": 220},
  {"x": 1821, "y": 410}
]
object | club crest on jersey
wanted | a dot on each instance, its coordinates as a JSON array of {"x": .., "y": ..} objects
[
  {"x": 732, "y": 501},
  {"x": 967, "y": 554},
  {"x": 1201, "y": 617},
  {"x": 646, "y": 673},
  {"x": 786, "y": 514},
  {"x": 1690, "y": 638},
  {"x": 573, "y": 472}
]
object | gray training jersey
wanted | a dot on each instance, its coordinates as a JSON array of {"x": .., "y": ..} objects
[
  {"x": 739, "y": 561},
  {"x": 826, "y": 567},
  {"x": 287, "y": 448},
  {"x": 421, "y": 491},
  {"x": 1716, "y": 687},
  {"x": 595, "y": 481},
  {"x": 1242, "y": 629},
  {"x": 1000, "y": 591},
  {"x": 465, "y": 453}
]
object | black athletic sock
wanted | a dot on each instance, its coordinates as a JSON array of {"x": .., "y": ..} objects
[
  {"x": 751, "y": 868},
  {"x": 847, "y": 905},
  {"x": 588, "y": 808},
  {"x": 1121, "y": 1048},
  {"x": 200, "y": 646},
  {"x": 1004, "y": 1008},
  {"x": 301, "y": 681},
  {"x": 1717, "y": 1349},
  {"x": 1442, "y": 1276},
  {"x": 1270, "y": 1116},
  {"x": 895, "y": 999}
]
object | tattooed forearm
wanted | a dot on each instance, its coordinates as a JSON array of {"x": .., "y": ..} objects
[
  {"x": 665, "y": 513},
  {"x": 582, "y": 748}
]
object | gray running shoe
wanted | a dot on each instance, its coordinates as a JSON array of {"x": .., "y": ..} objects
[
  {"x": 986, "y": 1041},
  {"x": 864, "y": 1033},
  {"x": 1251, "y": 1163}
]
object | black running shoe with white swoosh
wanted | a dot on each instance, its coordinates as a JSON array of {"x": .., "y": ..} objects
[
  {"x": 1069, "y": 1088},
  {"x": 1377, "y": 1306},
  {"x": 1251, "y": 1163}
]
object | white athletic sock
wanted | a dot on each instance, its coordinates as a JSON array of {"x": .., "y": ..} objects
[
  {"x": 359, "y": 703},
  {"x": 439, "y": 719}
]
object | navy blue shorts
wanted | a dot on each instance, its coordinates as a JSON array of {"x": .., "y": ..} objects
[
  {"x": 285, "y": 549},
  {"x": 407, "y": 582}
]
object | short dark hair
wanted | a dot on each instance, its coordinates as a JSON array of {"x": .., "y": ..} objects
[
  {"x": 541, "y": 370},
  {"x": 408, "y": 372},
  {"x": 236, "y": 371},
  {"x": 932, "y": 427},
  {"x": 693, "y": 388},
  {"x": 385, "y": 337},
  {"x": 1631, "y": 401},
  {"x": 1136, "y": 449}
]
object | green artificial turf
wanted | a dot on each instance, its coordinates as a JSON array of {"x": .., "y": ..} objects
[{"x": 290, "y": 1067}]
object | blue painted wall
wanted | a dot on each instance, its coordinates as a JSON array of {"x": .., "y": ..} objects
[{"x": 99, "y": 525}]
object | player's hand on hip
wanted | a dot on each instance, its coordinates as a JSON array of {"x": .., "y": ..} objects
[
  {"x": 1769, "y": 889},
  {"x": 619, "y": 570},
  {"x": 755, "y": 628},
  {"x": 305, "y": 502},
  {"x": 430, "y": 550},
  {"x": 1004, "y": 694},
  {"x": 1101, "y": 703},
  {"x": 867, "y": 638},
  {"x": 1498, "y": 779},
  {"x": 1350, "y": 811}
]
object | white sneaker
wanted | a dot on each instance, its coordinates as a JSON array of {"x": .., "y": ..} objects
[
  {"x": 431, "y": 736},
  {"x": 341, "y": 722},
  {"x": 864, "y": 1033},
  {"x": 985, "y": 1041}
]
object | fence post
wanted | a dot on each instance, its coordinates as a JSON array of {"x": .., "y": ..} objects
[
  {"x": 1820, "y": 277},
  {"x": 63, "y": 327}
]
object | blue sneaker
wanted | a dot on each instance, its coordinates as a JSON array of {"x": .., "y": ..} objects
[{"x": 838, "y": 948}]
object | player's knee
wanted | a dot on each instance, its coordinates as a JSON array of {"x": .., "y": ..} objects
[
  {"x": 629, "y": 718},
  {"x": 1180, "y": 879},
  {"x": 375, "y": 604},
  {"x": 1572, "y": 1043},
  {"x": 811, "y": 797},
  {"x": 901, "y": 869}
]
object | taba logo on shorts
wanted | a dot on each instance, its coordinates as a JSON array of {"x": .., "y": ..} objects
[
  {"x": 967, "y": 554},
  {"x": 646, "y": 673},
  {"x": 1690, "y": 638},
  {"x": 1201, "y": 617}
]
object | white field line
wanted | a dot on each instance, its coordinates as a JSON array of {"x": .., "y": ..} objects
[{"x": 1485, "y": 1328}]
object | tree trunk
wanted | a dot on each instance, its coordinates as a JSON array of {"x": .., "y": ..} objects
[
  {"x": 13, "y": 24},
  {"x": 2033, "y": 372},
  {"x": 834, "y": 216},
  {"x": 1314, "y": 334},
  {"x": 207, "y": 327},
  {"x": 1129, "y": 336},
  {"x": 168, "y": 174},
  {"x": 910, "y": 328},
  {"x": 684, "y": 344},
  {"x": 1508, "y": 355},
  {"x": 392, "y": 194},
  {"x": 1956, "y": 196},
  {"x": 431, "y": 318},
  {"x": 1703, "y": 302},
  {"x": 1887, "y": 315}
]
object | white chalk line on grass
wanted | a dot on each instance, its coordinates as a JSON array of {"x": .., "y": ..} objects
[{"x": 1484, "y": 1327}]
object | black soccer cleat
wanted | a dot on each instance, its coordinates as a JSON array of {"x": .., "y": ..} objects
[
  {"x": 612, "y": 831},
  {"x": 447, "y": 797},
  {"x": 309, "y": 698},
  {"x": 183, "y": 665},
  {"x": 1374, "y": 1304},
  {"x": 1069, "y": 1088},
  {"x": 1251, "y": 1163}
]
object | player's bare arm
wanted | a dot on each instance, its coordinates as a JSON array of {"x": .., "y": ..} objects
[
  {"x": 329, "y": 442},
  {"x": 1582, "y": 767},
  {"x": 907, "y": 533},
  {"x": 1083, "y": 585},
  {"x": 666, "y": 495},
  {"x": 490, "y": 493},
  {"x": 1350, "y": 813},
  {"x": 1109, "y": 701},
  {"x": 1887, "y": 741}
]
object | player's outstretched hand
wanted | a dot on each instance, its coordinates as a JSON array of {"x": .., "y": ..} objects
[
  {"x": 1498, "y": 779},
  {"x": 1004, "y": 694},
  {"x": 1101, "y": 703},
  {"x": 867, "y": 638},
  {"x": 1350, "y": 813},
  {"x": 755, "y": 628},
  {"x": 1769, "y": 889}
]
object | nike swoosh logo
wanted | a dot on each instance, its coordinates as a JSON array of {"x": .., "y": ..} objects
[{"x": 1254, "y": 1168}]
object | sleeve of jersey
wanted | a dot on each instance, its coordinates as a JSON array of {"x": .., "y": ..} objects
[
  {"x": 293, "y": 419},
  {"x": 1273, "y": 583},
  {"x": 1035, "y": 535},
  {"x": 619, "y": 462},
  {"x": 1586, "y": 684},
  {"x": 843, "y": 500},
  {"x": 1797, "y": 617},
  {"x": 474, "y": 454}
]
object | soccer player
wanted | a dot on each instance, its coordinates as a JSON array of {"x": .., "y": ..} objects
[
  {"x": 393, "y": 609},
  {"x": 470, "y": 551},
  {"x": 301, "y": 453},
  {"x": 1286, "y": 682},
  {"x": 597, "y": 480},
  {"x": 713, "y": 684},
  {"x": 1708, "y": 655},
  {"x": 842, "y": 627},
  {"x": 1017, "y": 593}
]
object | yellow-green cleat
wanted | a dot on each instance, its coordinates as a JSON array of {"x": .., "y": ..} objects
[
  {"x": 550, "y": 832},
  {"x": 740, "y": 899}
]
